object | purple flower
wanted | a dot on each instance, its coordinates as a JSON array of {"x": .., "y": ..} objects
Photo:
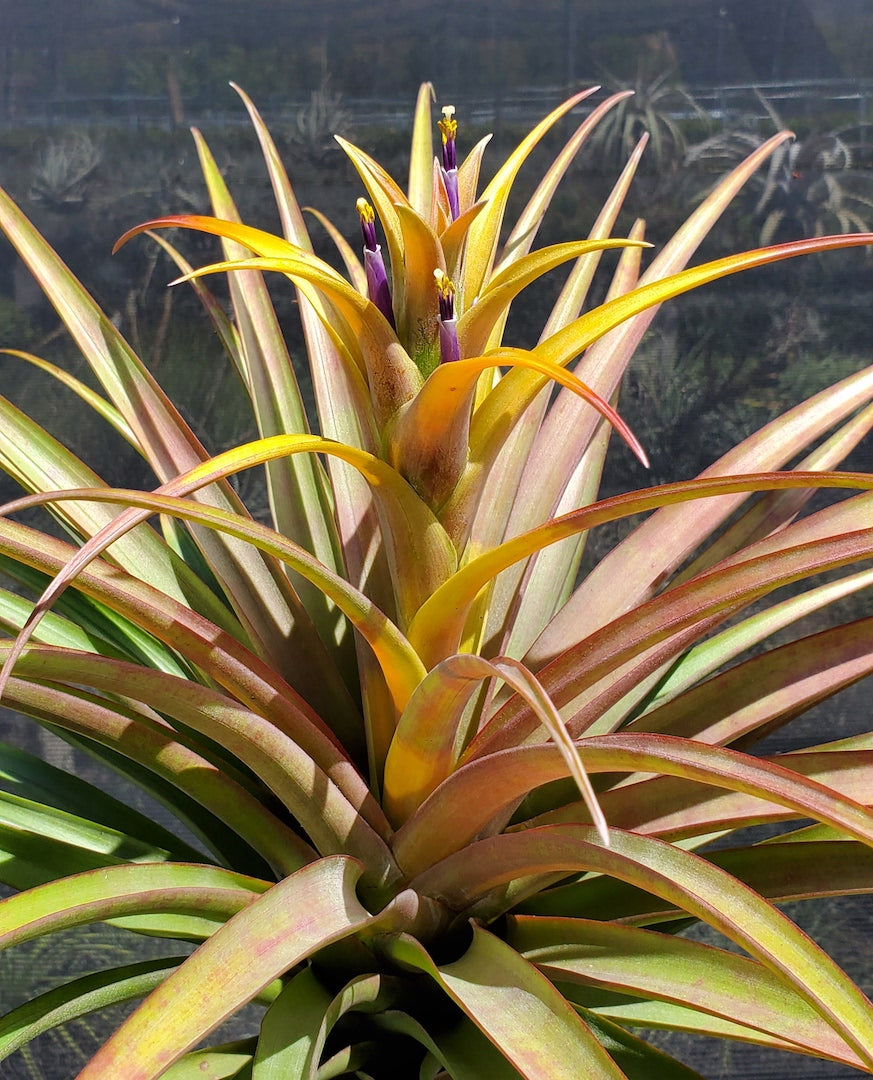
[
  {"x": 449, "y": 347},
  {"x": 374, "y": 265},
  {"x": 449, "y": 129}
]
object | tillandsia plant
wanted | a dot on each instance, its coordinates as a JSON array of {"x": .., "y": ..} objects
[{"x": 449, "y": 806}]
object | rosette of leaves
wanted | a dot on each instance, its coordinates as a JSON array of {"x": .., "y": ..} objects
[
  {"x": 811, "y": 187},
  {"x": 448, "y": 806},
  {"x": 653, "y": 104},
  {"x": 63, "y": 174}
]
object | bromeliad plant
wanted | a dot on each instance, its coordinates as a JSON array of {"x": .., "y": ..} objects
[{"x": 449, "y": 806}]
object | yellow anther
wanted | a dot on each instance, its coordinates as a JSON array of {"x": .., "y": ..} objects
[
  {"x": 448, "y": 125},
  {"x": 444, "y": 284},
  {"x": 366, "y": 211}
]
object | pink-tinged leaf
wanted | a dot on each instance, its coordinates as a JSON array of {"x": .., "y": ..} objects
[
  {"x": 122, "y": 891},
  {"x": 775, "y": 686},
  {"x": 516, "y": 1007},
  {"x": 687, "y": 882},
  {"x": 779, "y": 509},
  {"x": 296, "y": 487},
  {"x": 484, "y": 233},
  {"x": 335, "y": 821},
  {"x": 527, "y": 596},
  {"x": 308, "y": 910},
  {"x": 400, "y": 664},
  {"x": 781, "y": 871},
  {"x": 438, "y": 626},
  {"x": 481, "y": 790},
  {"x": 705, "y": 659},
  {"x": 344, "y": 413},
  {"x": 632, "y": 570},
  {"x": 680, "y": 808},
  {"x": 662, "y": 967},
  {"x": 572, "y": 297},
  {"x": 289, "y": 212},
  {"x": 218, "y": 655},
  {"x": 159, "y": 750},
  {"x": 604, "y": 363},
  {"x": 719, "y": 649},
  {"x": 587, "y": 682},
  {"x": 255, "y": 589},
  {"x": 37, "y": 460},
  {"x": 800, "y": 871}
]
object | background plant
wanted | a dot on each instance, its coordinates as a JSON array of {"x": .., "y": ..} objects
[
  {"x": 811, "y": 187},
  {"x": 444, "y": 809}
]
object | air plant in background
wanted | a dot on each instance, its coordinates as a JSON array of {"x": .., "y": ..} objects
[
  {"x": 316, "y": 123},
  {"x": 652, "y": 104},
  {"x": 64, "y": 172},
  {"x": 449, "y": 807},
  {"x": 811, "y": 186}
]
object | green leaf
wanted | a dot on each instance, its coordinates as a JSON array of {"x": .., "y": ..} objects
[
  {"x": 79, "y": 998},
  {"x": 46, "y": 822},
  {"x": 21, "y": 772},
  {"x": 518, "y": 1009},
  {"x": 636, "y": 1058},
  {"x": 155, "y": 748},
  {"x": 291, "y": 1040},
  {"x": 226, "y": 1062},
  {"x": 253, "y": 682}
]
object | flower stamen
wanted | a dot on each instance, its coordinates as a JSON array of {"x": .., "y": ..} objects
[
  {"x": 448, "y": 130},
  {"x": 449, "y": 348},
  {"x": 378, "y": 290}
]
